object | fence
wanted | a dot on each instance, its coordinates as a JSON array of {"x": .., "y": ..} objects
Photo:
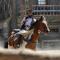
[{"x": 46, "y": 10}]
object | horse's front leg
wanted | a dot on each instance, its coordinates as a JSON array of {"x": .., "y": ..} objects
[{"x": 32, "y": 44}]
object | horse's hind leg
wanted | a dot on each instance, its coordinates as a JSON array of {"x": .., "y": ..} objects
[
  {"x": 6, "y": 45},
  {"x": 10, "y": 47}
]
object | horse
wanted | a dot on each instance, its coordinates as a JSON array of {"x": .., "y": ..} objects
[
  {"x": 39, "y": 26},
  {"x": 16, "y": 39}
]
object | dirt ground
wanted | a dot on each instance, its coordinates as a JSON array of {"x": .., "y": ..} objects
[{"x": 25, "y": 57}]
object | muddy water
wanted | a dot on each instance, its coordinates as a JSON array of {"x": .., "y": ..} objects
[{"x": 25, "y": 57}]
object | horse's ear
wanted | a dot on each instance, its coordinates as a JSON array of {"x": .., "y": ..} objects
[{"x": 41, "y": 19}]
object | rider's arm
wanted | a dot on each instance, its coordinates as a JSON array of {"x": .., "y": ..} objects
[{"x": 22, "y": 22}]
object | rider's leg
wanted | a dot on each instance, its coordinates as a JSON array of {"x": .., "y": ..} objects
[{"x": 29, "y": 37}]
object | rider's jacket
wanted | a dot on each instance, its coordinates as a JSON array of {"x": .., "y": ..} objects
[{"x": 27, "y": 22}]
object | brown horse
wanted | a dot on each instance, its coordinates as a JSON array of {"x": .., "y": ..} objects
[{"x": 38, "y": 27}]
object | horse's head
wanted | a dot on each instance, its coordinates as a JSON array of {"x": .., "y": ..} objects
[
  {"x": 41, "y": 25},
  {"x": 44, "y": 25}
]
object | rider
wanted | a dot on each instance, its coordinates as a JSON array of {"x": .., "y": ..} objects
[{"x": 28, "y": 21}]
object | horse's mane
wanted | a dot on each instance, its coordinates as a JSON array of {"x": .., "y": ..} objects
[{"x": 37, "y": 22}]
